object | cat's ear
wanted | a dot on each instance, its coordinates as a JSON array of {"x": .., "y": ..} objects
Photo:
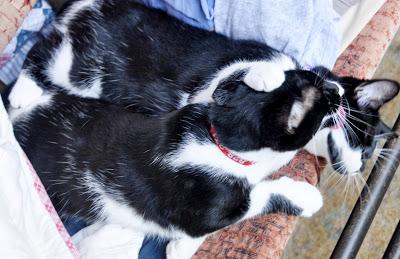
[
  {"x": 370, "y": 93},
  {"x": 374, "y": 93},
  {"x": 228, "y": 91},
  {"x": 383, "y": 131}
]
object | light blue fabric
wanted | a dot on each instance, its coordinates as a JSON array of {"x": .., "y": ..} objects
[
  {"x": 307, "y": 30},
  {"x": 14, "y": 54},
  {"x": 198, "y": 13}
]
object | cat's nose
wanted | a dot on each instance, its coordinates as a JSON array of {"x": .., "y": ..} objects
[
  {"x": 331, "y": 88},
  {"x": 334, "y": 87},
  {"x": 331, "y": 92}
]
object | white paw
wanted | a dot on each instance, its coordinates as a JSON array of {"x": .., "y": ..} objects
[
  {"x": 24, "y": 92},
  {"x": 109, "y": 241},
  {"x": 183, "y": 248},
  {"x": 264, "y": 76},
  {"x": 303, "y": 195}
]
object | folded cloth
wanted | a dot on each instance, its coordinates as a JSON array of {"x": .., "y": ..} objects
[
  {"x": 307, "y": 30},
  {"x": 199, "y": 13},
  {"x": 14, "y": 54},
  {"x": 152, "y": 247}
]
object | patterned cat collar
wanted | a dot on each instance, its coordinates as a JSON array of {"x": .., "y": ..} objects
[{"x": 226, "y": 152}]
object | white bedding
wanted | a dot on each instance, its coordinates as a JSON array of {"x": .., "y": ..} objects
[{"x": 29, "y": 225}]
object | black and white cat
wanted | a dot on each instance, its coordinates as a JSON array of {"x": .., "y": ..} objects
[
  {"x": 129, "y": 55},
  {"x": 184, "y": 174},
  {"x": 125, "y": 54}
]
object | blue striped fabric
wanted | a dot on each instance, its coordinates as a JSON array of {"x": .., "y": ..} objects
[{"x": 14, "y": 54}]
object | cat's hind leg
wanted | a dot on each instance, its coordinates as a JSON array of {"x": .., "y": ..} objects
[{"x": 24, "y": 92}]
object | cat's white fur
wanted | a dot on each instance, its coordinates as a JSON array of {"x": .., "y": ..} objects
[
  {"x": 70, "y": 14},
  {"x": 350, "y": 158},
  {"x": 60, "y": 65},
  {"x": 24, "y": 92},
  {"x": 208, "y": 155},
  {"x": 339, "y": 86},
  {"x": 20, "y": 113},
  {"x": 318, "y": 145},
  {"x": 261, "y": 75}
]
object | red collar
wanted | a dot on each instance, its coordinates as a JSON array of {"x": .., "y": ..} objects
[
  {"x": 226, "y": 152},
  {"x": 341, "y": 118}
]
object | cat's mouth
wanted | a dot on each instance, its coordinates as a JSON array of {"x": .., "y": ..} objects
[
  {"x": 336, "y": 119},
  {"x": 339, "y": 118}
]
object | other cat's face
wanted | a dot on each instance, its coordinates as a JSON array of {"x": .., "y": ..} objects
[{"x": 353, "y": 133}]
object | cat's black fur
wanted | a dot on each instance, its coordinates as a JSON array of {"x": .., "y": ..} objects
[
  {"x": 74, "y": 142},
  {"x": 154, "y": 63},
  {"x": 146, "y": 59}
]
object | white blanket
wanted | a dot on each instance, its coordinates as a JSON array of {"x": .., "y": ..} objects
[{"x": 29, "y": 226}]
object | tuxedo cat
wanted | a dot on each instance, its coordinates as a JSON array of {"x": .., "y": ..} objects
[
  {"x": 184, "y": 174},
  {"x": 129, "y": 55}
]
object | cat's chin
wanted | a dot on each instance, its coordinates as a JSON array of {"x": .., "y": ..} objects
[{"x": 331, "y": 144}]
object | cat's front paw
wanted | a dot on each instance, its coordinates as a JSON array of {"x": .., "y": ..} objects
[
  {"x": 264, "y": 76},
  {"x": 24, "y": 92},
  {"x": 303, "y": 195}
]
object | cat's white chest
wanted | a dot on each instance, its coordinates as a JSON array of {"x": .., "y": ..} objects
[{"x": 208, "y": 158}]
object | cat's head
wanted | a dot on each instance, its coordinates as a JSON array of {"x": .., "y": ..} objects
[
  {"x": 284, "y": 119},
  {"x": 348, "y": 140}
]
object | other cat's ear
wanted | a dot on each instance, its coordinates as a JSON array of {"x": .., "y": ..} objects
[{"x": 383, "y": 131}]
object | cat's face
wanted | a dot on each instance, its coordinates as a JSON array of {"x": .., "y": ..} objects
[
  {"x": 352, "y": 140},
  {"x": 284, "y": 119},
  {"x": 307, "y": 108}
]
